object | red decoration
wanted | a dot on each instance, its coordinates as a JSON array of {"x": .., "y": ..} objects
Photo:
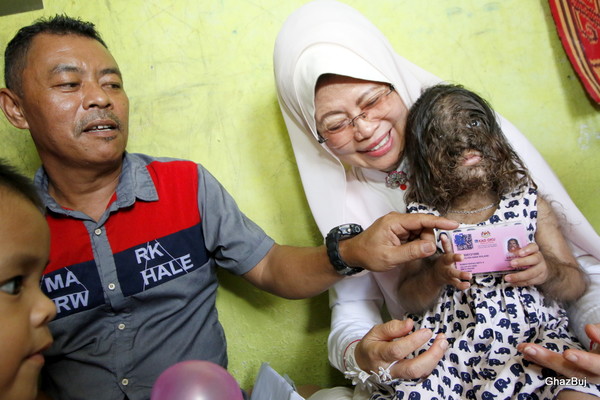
[{"x": 578, "y": 26}]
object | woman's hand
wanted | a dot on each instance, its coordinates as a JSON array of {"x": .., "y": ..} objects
[
  {"x": 392, "y": 341},
  {"x": 535, "y": 270},
  {"x": 572, "y": 363}
]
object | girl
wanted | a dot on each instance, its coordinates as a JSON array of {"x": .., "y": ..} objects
[{"x": 462, "y": 166}]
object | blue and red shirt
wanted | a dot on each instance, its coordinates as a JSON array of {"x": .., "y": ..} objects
[{"x": 135, "y": 291}]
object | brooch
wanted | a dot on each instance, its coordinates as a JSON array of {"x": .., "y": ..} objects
[{"x": 396, "y": 179}]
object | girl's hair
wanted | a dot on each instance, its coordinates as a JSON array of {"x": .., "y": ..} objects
[{"x": 448, "y": 115}]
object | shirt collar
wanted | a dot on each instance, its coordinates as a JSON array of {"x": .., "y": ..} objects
[{"x": 135, "y": 182}]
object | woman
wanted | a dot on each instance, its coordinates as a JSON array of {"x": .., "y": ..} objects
[{"x": 344, "y": 177}]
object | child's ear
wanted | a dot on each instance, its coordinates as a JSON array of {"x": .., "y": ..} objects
[{"x": 11, "y": 106}]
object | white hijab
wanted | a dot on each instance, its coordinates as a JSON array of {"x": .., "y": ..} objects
[{"x": 325, "y": 36}]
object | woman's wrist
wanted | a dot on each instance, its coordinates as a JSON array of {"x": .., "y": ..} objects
[
  {"x": 349, "y": 355},
  {"x": 371, "y": 379}
]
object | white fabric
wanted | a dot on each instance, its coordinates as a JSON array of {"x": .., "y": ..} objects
[
  {"x": 325, "y": 36},
  {"x": 269, "y": 385},
  {"x": 337, "y": 393}
]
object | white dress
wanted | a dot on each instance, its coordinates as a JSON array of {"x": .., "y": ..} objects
[{"x": 485, "y": 323}]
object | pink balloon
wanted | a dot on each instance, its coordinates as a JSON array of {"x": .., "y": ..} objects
[{"x": 196, "y": 380}]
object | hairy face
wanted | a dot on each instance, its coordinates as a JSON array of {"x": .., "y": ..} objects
[
  {"x": 455, "y": 147},
  {"x": 460, "y": 145}
]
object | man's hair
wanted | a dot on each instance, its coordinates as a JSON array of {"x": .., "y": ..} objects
[
  {"x": 12, "y": 181},
  {"x": 15, "y": 54}
]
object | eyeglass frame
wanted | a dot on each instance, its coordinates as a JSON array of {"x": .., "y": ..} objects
[{"x": 352, "y": 120}]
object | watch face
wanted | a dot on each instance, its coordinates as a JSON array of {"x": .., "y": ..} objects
[
  {"x": 350, "y": 271},
  {"x": 350, "y": 229}
]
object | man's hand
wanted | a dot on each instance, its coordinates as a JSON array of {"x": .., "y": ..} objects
[
  {"x": 393, "y": 240},
  {"x": 571, "y": 363},
  {"x": 389, "y": 342}
]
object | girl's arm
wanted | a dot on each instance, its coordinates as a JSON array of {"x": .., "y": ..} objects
[
  {"x": 423, "y": 280},
  {"x": 566, "y": 281},
  {"x": 563, "y": 280}
]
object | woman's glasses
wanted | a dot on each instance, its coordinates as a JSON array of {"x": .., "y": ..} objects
[{"x": 373, "y": 109}]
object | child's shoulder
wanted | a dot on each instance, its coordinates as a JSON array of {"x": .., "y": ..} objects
[
  {"x": 420, "y": 208},
  {"x": 523, "y": 195},
  {"x": 520, "y": 192}
]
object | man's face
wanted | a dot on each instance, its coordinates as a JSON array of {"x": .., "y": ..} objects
[{"x": 73, "y": 101}]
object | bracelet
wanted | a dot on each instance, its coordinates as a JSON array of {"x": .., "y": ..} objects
[
  {"x": 353, "y": 345},
  {"x": 379, "y": 380}
]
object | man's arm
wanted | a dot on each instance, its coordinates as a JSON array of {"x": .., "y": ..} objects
[{"x": 299, "y": 272}]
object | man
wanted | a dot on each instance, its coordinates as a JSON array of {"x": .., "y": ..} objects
[{"x": 136, "y": 239}]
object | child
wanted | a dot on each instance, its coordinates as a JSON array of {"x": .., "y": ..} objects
[
  {"x": 24, "y": 310},
  {"x": 462, "y": 167}
]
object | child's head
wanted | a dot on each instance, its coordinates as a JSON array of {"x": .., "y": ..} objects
[
  {"x": 455, "y": 146},
  {"x": 24, "y": 310}
]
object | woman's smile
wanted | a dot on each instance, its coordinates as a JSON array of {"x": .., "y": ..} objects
[{"x": 380, "y": 147}]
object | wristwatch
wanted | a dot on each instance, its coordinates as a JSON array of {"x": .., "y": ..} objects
[{"x": 332, "y": 242}]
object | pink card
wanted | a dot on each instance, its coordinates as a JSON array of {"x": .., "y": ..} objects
[{"x": 488, "y": 248}]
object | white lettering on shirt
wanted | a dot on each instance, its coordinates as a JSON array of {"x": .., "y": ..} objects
[
  {"x": 56, "y": 282},
  {"x": 171, "y": 268},
  {"x": 71, "y": 301},
  {"x": 148, "y": 253}
]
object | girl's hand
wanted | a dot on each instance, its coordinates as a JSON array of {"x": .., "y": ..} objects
[
  {"x": 445, "y": 269},
  {"x": 535, "y": 270}
]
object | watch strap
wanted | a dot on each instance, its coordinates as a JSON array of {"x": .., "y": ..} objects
[{"x": 332, "y": 241}]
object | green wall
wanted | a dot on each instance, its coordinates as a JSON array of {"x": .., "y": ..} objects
[{"x": 200, "y": 82}]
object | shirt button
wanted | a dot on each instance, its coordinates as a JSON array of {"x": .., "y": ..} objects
[
  {"x": 98, "y": 232},
  {"x": 125, "y": 381},
  {"x": 112, "y": 286},
  {"x": 121, "y": 327}
]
